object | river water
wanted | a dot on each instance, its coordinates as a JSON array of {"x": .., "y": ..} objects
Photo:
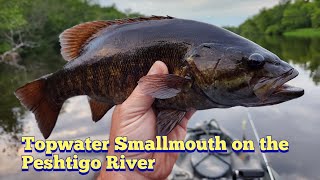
[{"x": 297, "y": 121}]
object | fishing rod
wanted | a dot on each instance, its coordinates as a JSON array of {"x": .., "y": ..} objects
[{"x": 257, "y": 138}]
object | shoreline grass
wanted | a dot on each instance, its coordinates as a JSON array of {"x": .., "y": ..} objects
[{"x": 304, "y": 32}]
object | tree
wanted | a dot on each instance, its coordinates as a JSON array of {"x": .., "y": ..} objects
[
  {"x": 315, "y": 18},
  {"x": 38, "y": 23},
  {"x": 286, "y": 16},
  {"x": 296, "y": 16},
  {"x": 12, "y": 28},
  {"x": 249, "y": 28}
]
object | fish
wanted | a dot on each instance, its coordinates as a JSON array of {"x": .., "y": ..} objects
[{"x": 209, "y": 67}]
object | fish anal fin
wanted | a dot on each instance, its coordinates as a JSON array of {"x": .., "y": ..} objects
[
  {"x": 167, "y": 120},
  {"x": 98, "y": 109},
  {"x": 74, "y": 39},
  {"x": 164, "y": 86}
]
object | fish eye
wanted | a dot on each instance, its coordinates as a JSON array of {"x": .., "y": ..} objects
[{"x": 256, "y": 60}]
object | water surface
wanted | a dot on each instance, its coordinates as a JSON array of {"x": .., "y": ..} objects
[{"x": 297, "y": 121}]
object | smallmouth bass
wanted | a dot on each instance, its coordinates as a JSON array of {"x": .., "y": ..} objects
[{"x": 209, "y": 67}]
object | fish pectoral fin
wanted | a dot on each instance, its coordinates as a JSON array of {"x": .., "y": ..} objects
[
  {"x": 167, "y": 120},
  {"x": 164, "y": 86},
  {"x": 98, "y": 109}
]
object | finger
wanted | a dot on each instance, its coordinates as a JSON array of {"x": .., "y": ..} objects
[{"x": 140, "y": 101}]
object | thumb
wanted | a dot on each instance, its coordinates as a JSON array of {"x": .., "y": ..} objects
[{"x": 139, "y": 101}]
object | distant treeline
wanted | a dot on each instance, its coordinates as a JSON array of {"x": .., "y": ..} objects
[
  {"x": 286, "y": 16},
  {"x": 28, "y": 24}
]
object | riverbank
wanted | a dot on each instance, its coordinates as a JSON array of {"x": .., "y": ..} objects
[{"x": 304, "y": 32}]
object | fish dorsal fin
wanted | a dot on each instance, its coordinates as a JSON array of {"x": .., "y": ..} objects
[{"x": 74, "y": 39}]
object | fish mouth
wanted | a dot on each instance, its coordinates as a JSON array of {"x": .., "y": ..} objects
[{"x": 276, "y": 87}]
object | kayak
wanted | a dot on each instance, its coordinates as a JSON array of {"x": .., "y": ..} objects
[{"x": 224, "y": 165}]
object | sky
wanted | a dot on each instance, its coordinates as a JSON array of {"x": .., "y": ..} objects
[{"x": 217, "y": 12}]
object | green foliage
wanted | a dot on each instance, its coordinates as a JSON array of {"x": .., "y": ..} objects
[
  {"x": 315, "y": 18},
  {"x": 41, "y": 21},
  {"x": 249, "y": 27},
  {"x": 304, "y": 32},
  {"x": 298, "y": 15},
  {"x": 301, "y": 51},
  {"x": 4, "y": 47},
  {"x": 231, "y": 28},
  {"x": 11, "y": 15},
  {"x": 275, "y": 29},
  {"x": 286, "y": 16}
]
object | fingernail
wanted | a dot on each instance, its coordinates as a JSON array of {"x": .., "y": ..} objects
[{"x": 155, "y": 69}]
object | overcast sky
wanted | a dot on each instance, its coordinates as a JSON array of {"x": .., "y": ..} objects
[{"x": 218, "y": 12}]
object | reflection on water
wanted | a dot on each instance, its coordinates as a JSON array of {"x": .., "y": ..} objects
[
  {"x": 301, "y": 51},
  {"x": 297, "y": 121}
]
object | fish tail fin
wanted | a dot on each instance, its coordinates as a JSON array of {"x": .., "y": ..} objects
[{"x": 35, "y": 98}]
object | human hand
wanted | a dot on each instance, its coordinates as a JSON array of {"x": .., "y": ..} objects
[{"x": 136, "y": 120}]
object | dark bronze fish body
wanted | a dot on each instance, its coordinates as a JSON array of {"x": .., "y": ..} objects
[{"x": 209, "y": 67}]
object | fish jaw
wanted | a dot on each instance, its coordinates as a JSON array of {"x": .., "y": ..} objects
[{"x": 276, "y": 89}]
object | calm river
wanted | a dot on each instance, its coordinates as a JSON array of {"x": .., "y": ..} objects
[{"x": 297, "y": 121}]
